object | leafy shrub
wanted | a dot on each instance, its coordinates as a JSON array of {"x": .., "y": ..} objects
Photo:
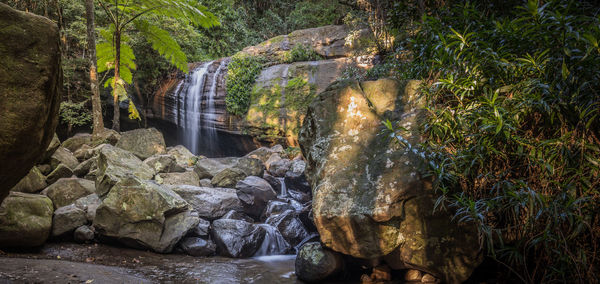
[
  {"x": 241, "y": 76},
  {"x": 75, "y": 114},
  {"x": 513, "y": 131},
  {"x": 299, "y": 53},
  {"x": 307, "y": 14}
]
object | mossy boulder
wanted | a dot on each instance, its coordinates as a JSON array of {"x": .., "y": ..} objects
[
  {"x": 115, "y": 164},
  {"x": 25, "y": 220},
  {"x": 143, "y": 214},
  {"x": 371, "y": 194},
  {"x": 143, "y": 142},
  {"x": 33, "y": 182},
  {"x": 65, "y": 191},
  {"x": 31, "y": 84}
]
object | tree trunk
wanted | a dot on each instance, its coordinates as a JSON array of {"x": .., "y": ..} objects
[
  {"x": 98, "y": 124},
  {"x": 116, "y": 112}
]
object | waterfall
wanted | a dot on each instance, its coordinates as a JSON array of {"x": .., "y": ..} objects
[
  {"x": 283, "y": 188},
  {"x": 274, "y": 242},
  {"x": 196, "y": 112}
]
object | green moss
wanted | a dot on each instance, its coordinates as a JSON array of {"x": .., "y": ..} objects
[
  {"x": 299, "y": 53},
  {"x": 241, "y": 76}
]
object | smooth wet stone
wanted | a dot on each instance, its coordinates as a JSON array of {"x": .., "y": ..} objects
[
  {"x": 236, "y": 238},
  {"x": 236, "y": 215},
  {"x": 25, "y": 220},
  {"x": 295, "y": 179},
  {"x": 315, "y": 263},
  {"x": 198, "y": 247},
  {"x": 254, "y": 193},
  {"x": 202, "y": 229},
  {"x": 275, "y": 207},
  {"x": 143, "y": 142},
  {"x": 65, "y": 191},
  {"x": 290, "y": 226}
]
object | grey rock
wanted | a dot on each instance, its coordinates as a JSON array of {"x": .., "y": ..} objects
[
  {"x": 26, "y": 220},
  {"x": 254, "y": 193},
  {"x": 280, "y": 168},
  {"x": 198, "y": 247},
  {"x": 185, "y": 178},
  {"x": 202, "y": 229},
  {"x": 33, "y": 182},
  {"x": 89, "y": 204},
  {"x": 65, "y": 157},
  {"x": 236, "y": 215},
  {"x": 115, "y": 164},
  {"x": 66, "y": 219},
  {"x": 290, "y": 226},
  {"x": 67, "y": 190},
  {"x": 143, "y": 142},
  {"x": 315, "y": 263},
  {"x": 83, "y": 234},
  {"x": 61, "y": 171},
  {"x": 228, "y": 177},
  {"x": 210, "y": 203}
]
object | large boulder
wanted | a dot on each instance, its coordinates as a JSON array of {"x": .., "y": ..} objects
[
  {"x": 115, "y": 164},
  {"x": 255, "y": 193},
  {"x": 370, "y": 194},
  {"x": 89, "y": 204},
  {"x": 143, "y": 214},
  {"x": 183, "y": 157},
  {"x": 65, "y": 191},
  {"x": 208, "y": 168},
  {"x": 164, "y": 164},
  {"x": 31, "y": 84},
  {"x": 210, "y": 203},
  {"x": 33, "y": 182},
  {"x": 61, "y": 171},
  {"x": 314, "y": 263},
  {"x": 228, "y": 177},
  {"x": 236, "y": 238},
  {"x": 143, "y": 142},
  {"x": 77, "y": 141},
  {"x": 264, "y": 153},
  {"x": 25, "y": 220},
  {"x": 54, "y": 144}
]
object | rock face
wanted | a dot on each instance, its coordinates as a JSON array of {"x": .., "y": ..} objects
[
  {"x": 315, "y": 263},
  {"x": 143, "y": 214},
  {"x": 25, "y": 220},
  {"x": 31, "y": 84},
  {"x": 143, "y": 142},
  {"x": 282, "y": 91},
  {"x": 370, "y": 199},
  {"x": 236, "y": 238}
]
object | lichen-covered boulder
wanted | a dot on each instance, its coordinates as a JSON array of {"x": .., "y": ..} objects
[
  {"x": 65, "y": 191},
  {"x": 228, "y": 177},
  {"x": 236, "y": 238},
  {"x": 143, "y": 142},
  {"x": 25, "y": 220},
  {"x": 31, "y": 84},
  {"x": 61, "y": 171},
  {"x": 115, "y": 164},
  {"x": 77, "y": 141},
  {"x": 143, "y": 214},
  {"x": 63, "y": 156},
  {"x": 182, "y": 155},
  {"x": 210, "y": 203},
  {"x": 370, "y": 195},
  {"x": 164, "y": 164},
  {"x": 33, "y": 182},
  {"x": 314, "y": 263}
]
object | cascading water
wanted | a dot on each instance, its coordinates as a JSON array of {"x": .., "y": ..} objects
[
  {"x": 192, "y": 97},
  {"x": 274, "y": 242},
  {"x": 196, "y": 111},
  {"x": 283, "y": 193}
]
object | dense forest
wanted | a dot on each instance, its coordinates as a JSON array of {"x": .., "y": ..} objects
[{"x": 512, "y": 131}]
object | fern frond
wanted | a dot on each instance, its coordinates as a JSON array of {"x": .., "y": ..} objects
[{"x": 162, "y": 42}]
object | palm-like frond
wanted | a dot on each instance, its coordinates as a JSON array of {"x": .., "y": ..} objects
[{"x": 162, "y": 42}]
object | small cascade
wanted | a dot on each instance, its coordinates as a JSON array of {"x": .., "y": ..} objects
[
  {"x": 209, "y": 118},
  {"x": 274, "y": 243},
  {"x": 283, "y": 193}
]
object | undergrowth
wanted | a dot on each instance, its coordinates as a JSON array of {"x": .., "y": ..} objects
[
  {"x": 241, "y": 75},
  {"x": 513, "y": 131}
]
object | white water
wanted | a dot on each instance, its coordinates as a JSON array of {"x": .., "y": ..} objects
[
  {"x": 208, "y": 121},
  {"x": 274, "y": 243},
  {"x": 193, "y": 107},
  {"x": 283, "y": 188}
]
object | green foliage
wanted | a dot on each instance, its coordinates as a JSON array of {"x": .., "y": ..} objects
[
  {"x": 299, "y": 93},
  {"x": 310, "y": 14},
  {"x": 513, "y": 131},
  {"x": 162, "y": 42},
  {"x": 241, "y": 74},
  {"x": 75, "y": 114},
  {"x": 299, "y": 53}
]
